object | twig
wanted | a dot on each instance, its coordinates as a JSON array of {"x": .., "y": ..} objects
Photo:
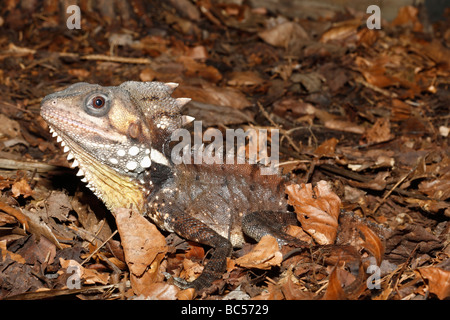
[
  {"x": 16, "y": 214},
  {"x": 376, "y": 89},
  {"x": 116, "y": 59},
  {"x": 106, "y": 58},
  {"x": 392, "y": 189},
  {"x": 26, "y": 165},
  {"x": 98, "y": 248},
  {"x": 264, "y": 112}
]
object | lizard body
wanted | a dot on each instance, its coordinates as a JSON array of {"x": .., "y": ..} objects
[{"x": 119, "y": 137}]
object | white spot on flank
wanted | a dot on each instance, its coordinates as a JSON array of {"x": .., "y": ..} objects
[
  {"x": 113, "y": 160},
  {"x": 158, "y": 157},
  {"x": 120, "y": 152},
  {"x": 131, "y": 165},
  {"x": 133, "y": 151},
  {"x": 146, "y": 162}
]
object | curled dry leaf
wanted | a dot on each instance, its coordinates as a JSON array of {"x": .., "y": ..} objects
[
  {"x": 161, "y": 291},
  {"x": 21, "y": 187},
  {"x": 380, "y": 131},
  {"x": 89, "y": 276},
  {"x": 334, "y": 289},
  {"x": 371, "y": 242},
  {"x": 186, "y": 294},
  {"x": 144, "y": 248},
  {"x": 4, "y": 253},
  {"x": 264, "y": 255},
  {"x": 283, "y": 34},
  {"x": 437, "y": 279},
  {"x": 317, "y": 210}
]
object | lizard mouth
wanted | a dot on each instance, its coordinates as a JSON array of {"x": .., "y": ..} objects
[{"x": 98, "y": 178}]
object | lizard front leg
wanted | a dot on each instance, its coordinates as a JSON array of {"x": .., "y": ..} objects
[{"x": 195, "y": 230}]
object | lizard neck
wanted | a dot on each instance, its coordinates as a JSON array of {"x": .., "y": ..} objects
[{"x": 114, "y": 189}]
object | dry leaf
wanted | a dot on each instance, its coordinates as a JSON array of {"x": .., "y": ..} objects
[
  {"x": 371, "y": 242},
  {"x": 191, "y": 270},
  {"x": 283, "y": 34},
  {"x": 346, "y": 126},
  {"x": 317, "y": 210},
  {"x": 186, "y": 294},
  {"x": 293, "y": 291},
  {"x": 227, "y": 97},
  {"x": 161, "y": 291},
  {"x": 90, "y": 276},
  {"x": 408, "y": 15},
  {"x": 344, "y": 32},
  {"x": 327, "y": 148},
  {"x": 6, "y": 253},
  {"x": 334, "y": 289},
  {"x": 21, "y": 187},
  {"x": 10, "y": 128},
  {"x": 438, "y": 280},
  {"x": 264, "y": 255},
  {"x": 144, "y": 248},
  {"x": 244, "y": 78},
  {"x": 380, "y": 131}
]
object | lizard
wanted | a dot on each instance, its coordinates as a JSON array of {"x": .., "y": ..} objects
[{"x": 120, "y": 139}]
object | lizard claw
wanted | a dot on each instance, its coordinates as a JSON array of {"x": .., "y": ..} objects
[{"x": 179, "y": 282}]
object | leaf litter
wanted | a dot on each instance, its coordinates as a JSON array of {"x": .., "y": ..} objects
[{"x": 363, "y": 118}]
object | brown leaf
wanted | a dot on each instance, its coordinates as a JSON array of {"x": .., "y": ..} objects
[
  {"x": 187, "y": 294},
  {"x": 408, "y": 15},
  {"x": 144, "y": 247},
  {"x": 327, "y": 148},
  {"x": 5, "y": 253},
  {"x": 334, "y": 289},
  {"x": 346, "y": 126},
  {"x": 344, "y": 32},
  {"x": 372, "y": 242},
  {"x": 264, "y": 255},
  {"x": 380, "y": 131},
  {"x": 283, "y": 34},
  {"x": 161, "y": 291},
  {"x": 21, "y": 187},
  {"x": 6, "y": 219},
  {"x": 317, "y": 210},
  {"x": 191, "y": 270},
  {"x": 244, "y": 78},
  {"x": 227, "y": 97},
  {"x": 90, "y": 276},
  {"x": 196, "y": 68},
  {"x": 293, "y": 291},
  {"x": 15, "y": 213},
  {"x": 438, "y": 280}
]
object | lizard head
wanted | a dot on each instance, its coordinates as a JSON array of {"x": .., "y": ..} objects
[{"x": 114, "y": 134}]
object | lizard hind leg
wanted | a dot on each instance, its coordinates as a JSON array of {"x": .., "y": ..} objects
[{"x": 260, "y": 223}]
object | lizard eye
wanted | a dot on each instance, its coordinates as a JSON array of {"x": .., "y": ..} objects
[
  {"x": 97, "y": 105},
  {"x": 98, "y": 102}
]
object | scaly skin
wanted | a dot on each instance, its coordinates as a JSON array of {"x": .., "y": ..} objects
[{"x": 119, "y": 138}]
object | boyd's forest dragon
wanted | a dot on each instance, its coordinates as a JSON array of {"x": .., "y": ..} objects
[{"x": 120, "y": 138}]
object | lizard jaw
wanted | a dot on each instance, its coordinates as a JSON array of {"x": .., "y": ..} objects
[{"x": 114, "y": 189}]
